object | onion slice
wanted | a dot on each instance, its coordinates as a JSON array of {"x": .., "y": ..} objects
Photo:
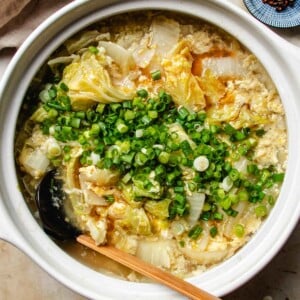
[
  {"x": 223, "y": 66},
  {"x": 120, "y": 55}
]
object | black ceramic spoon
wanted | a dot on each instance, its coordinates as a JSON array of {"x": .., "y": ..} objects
[{"x": 49, "y": 198}]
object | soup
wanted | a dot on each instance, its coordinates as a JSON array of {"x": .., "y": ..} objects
[{"x": 168, "y": 135}]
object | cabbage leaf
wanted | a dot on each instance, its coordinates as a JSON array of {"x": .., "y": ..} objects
[
  {"x": 158, "y": 209},
  {"x": 89, "y": 82},
  {"x": 180, "y": 82}
]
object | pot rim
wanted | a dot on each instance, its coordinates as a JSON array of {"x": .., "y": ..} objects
[{"x": 37, "y": 241}]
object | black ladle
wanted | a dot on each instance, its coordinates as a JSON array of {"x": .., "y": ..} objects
[{"x": 49, "y": 198}]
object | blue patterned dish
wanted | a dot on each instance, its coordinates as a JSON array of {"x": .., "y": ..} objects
[{"x": 290, "y": 17}]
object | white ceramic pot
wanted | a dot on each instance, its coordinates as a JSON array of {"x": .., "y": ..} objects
[{"x": 17, "y": 224}]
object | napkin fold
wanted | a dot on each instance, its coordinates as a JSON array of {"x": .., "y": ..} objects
[{"x": 18, "y": 18}]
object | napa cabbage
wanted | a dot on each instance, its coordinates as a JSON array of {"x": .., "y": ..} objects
[
  {"x": 179, "y": 80},
  {"x": 120, "y": 55},
  {"x": 34, "y": 161},
  {"x": 158, "y": 209},
  {"x": 213, "y": 88},
  {"x": 89, "y": 82},
  {"x": 196, "y": 202},
  {"x": 164, "y": 35},
  {"x": 152, "y": 190},
  {"x": 135, "y": 221},
  {"x": 158, "y": 253},
  {"x": 82, "y": 40}
]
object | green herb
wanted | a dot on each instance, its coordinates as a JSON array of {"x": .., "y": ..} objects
[
  {"x": 239, "y": 230},
  {"x": 261, "y": 211},
  {"x": 109, "y": 198},
  {"x": 134, "y": 137},
  {"x": 213, "y": 231},
  {"x": 142, "y": 93},
  {"x": 195, "y": 232},
  {"x": 64, "y": 87},
  {"x": 156, "y": 75},
  {"x": 93, "y": 49}
]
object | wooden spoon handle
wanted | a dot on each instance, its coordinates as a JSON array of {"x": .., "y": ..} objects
[{"x": 148, "y": 270}]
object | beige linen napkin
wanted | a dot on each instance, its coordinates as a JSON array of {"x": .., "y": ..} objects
[{"x": 18, "y": 18}]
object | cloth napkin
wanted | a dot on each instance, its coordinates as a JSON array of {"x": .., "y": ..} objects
[{"x": 18, "y": 18}]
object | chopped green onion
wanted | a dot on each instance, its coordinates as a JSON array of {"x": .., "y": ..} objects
[
  {"x": 181, "y": 244},
  {"x": 213, "y": 231},
  {"x": 138, "y": 103},
  {"x": 80, "y": 115},
  {"x": 271, "y": 200},
  {"x": 183, "y": 113},
  {"x": 153, "y": 114},
  {"x": 261, "y": 211},
  {"x": 156, "y": 75},
  {"x": 66, "y": 129},
  {"x": 95, "y": 129},
  {"x": 52, "y": 113},
  {"x": 146, "y": 120},
  {"x": 239, "y": 230},
  {"x": 229, "y": 130},
  {"x": 126, "y": 178},
  {"x": 234, "y": 174},
  {"x": 164, "y": 157},
  {"x": 140, "y": 158},
  {"x": 239, "y": 135},
  {"x": 93, "y": 49},
  {"x": 178, "y": 189},
  {"x": 218, "y": 216},
  {"x": 159, "y": 170},
  {"x": 252, "y": 169},
  {"x": 221, "y": 194},
  {"x": 139, "y": 133},
  {"x": 128, "y": 158},
  {"x": 52, "y": 92},
  {"x": 75, "y": 122},
  {"x": 122, "y": 128},
  {"x": 201, "y": 163},
  {"x": 133, "y": 137},
  {"x": 142, "y": 93},
  {"x": 243, "y": 195},
  {"x": 100, "y": 108},
  {"x": 260, "y": 132},
  {"x": 172, "y": 176},
  {"x": 64, "y": 87},
  {"x": 53, "y": 149},
  {"x": 129, "y": 115},
  {"x": 44, "y": 96},
  {"x": 180, "y": 198},
  {"x": 195, "y": 232},
  {"x": 67, "y": 157},
  {"x": 278, "y": 177},
  {"x": 110, "y": 199}
]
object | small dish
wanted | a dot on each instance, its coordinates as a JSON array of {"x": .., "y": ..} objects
[{"x": 289, "y": 17}]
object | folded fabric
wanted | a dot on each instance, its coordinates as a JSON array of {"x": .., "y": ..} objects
[
  {"x": 11, "y": 8},
  {"x": 18, "y": 18}
]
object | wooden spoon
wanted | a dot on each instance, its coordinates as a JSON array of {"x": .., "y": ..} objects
[
  {"x": 49, "y": 201},
  {"x": 148, "y": 270}
]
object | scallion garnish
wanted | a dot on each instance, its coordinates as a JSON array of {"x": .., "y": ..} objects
[{"x": 156, "y": 75}]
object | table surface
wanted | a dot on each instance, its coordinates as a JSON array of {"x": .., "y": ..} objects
[{"x": 279, "y": 280}]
